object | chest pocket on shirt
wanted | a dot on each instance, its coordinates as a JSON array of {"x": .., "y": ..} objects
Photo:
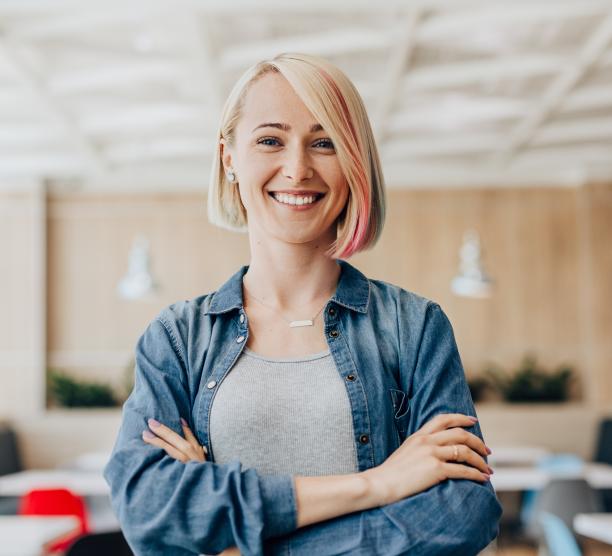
[{"x": 401, "y": 412}]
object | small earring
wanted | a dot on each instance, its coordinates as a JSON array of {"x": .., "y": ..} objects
[{"x": 231, "y": 176}]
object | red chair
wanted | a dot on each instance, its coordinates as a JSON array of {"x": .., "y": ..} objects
[{"x": 57, "y": 501}]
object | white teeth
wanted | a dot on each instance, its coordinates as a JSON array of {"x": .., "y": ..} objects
[{"x": 294, "y": 199}]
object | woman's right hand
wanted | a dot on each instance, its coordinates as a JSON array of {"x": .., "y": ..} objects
[{"x": 441, "y": 449}]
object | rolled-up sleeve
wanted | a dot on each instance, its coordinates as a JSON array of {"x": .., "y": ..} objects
[
  {"x": 455, "y": 517},
  {"x": 167, "y": 507}
]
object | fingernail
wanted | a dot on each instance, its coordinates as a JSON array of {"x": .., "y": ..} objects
[
  {"x": 473, "y": 418},
  {"x": 153, "y": 423},
  {"x": 184, "y": 423},
  {"x": 489, "y": 451},
  {"x": 487, "y": 476},
  {"x": 205, "y": 449},
  {"x": 148, "y": 435},
  {"x": 490, "y": 469}
]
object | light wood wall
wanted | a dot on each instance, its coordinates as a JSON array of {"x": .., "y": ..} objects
[{"x": 548, "y": 250}]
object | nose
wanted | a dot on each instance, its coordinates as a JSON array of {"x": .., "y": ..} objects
[{"x": 297, "y": 166}]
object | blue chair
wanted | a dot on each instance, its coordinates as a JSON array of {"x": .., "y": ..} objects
[
  {"x": 559, "y": 540},
  {"x": 559, "y": 463}
]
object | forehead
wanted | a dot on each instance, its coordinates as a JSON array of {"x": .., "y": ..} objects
[{"x": 272, "y": 99}]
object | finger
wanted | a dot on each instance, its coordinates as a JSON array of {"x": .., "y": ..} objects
[
  {"x": 190, "y": 437},
  {"x": 169, "y": 436},
  {"x": 459, "y": 471},
  {"x": 446, "y": 421},
  {"x": 169, "y": 449},
  {"x": 460, "y": 436},
  {"x": 463, "y": 455}
]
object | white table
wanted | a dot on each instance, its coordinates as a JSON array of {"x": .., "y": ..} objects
[
  {"x": 517, "y": 455},
  {"x": 596, "y": 526},
  {"x": 84, "y": 483},
  {"x": 28, "y": 535},
  {"x": 89, "y": 484},
  {"x": 598, "y": 475},
  {"x": 90, "y": 461}
]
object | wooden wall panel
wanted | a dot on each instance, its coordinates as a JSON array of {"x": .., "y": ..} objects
[
  {"x": 18, "y": 381},
  {"x": 547, "y": 250},
  {"x": 531, "y": 250}
]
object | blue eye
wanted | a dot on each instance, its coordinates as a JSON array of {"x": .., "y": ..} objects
[
  {"x": 325, "y": 143},
  {"x": 264, "y": 141},
  {"x": 274, "y": 142}
]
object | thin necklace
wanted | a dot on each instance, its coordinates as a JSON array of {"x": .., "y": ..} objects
[{"x": 292, "y": 323}]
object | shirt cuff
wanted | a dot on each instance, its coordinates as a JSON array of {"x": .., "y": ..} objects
[{"x": 280, "y": 510}]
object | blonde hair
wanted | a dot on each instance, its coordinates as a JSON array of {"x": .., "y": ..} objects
[{"x": 335, "y": 103}]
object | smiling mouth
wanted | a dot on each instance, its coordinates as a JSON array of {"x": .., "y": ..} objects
[{"x": 296, "y": 200}]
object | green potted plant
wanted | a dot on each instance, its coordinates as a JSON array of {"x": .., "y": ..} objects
[
  {"x": 67, "y": 391},
  {"x": 531, "y": 383}
]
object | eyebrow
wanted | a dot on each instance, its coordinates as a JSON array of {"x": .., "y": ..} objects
[{"x": 287, "y": 127}]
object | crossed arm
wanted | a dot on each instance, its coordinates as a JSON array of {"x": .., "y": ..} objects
[
  {"x": 213, "y": 506},
  {"x": 322, "y": 498}
]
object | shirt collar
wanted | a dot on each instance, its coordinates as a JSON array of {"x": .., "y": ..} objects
[{"x": 352, "y": 292}]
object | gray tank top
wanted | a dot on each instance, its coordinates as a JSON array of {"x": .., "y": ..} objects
[{"x": 284, "y": 416}]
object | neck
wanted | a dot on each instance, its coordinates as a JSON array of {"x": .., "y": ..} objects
[{"x": 290, "y": 276}]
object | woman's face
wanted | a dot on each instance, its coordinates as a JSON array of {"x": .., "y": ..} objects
[{"x": 287, "y": 169}]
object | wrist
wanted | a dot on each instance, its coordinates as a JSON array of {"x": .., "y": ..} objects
[{"x": 374, "y": 488}]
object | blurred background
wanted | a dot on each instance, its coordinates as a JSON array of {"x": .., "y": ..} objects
[{"x": 494, "y": 124}]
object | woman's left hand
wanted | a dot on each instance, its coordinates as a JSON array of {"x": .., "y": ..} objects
[{"x": 182, "y": 449}]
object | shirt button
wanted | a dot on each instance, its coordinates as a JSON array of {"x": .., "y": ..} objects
[
  {"x": 211, "y": 384},
  {"x": 241, "y": 318},
  {"x": 331, "y": 311},
  {"x": 364, "y": 439},
  {"x": 240, "y": 339},
  {"x": 334, "y": 333},
  {"x": 350, "y": 377}
]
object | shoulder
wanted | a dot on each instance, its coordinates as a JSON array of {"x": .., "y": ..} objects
[
  {"x": 185, "y": 310},
  {"x": 181, "y": 321},
  {"x": 407, "y": 303},
  {"x": 414, "y": 316}
]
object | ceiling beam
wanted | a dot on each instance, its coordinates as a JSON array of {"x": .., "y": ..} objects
[
  {"x": 35, "y": 87},
  {"x": 448, "y": 24},
  {"x": 559, "y": 88},
  {"x": 582, "y": 130},
  {"x": 206, "y": 59},
  {"x": 481, "y": 71},
  {"x": 404, "y": 41},
  {"x": 341, "y": 41}
]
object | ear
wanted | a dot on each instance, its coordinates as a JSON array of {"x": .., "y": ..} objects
[{"x": 226, "y": 155}]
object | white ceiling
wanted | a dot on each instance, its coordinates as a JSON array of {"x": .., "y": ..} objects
[{"x": 126, "y": 95}]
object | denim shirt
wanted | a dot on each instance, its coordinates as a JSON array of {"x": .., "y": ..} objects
[{"x": 398, "y": 359}]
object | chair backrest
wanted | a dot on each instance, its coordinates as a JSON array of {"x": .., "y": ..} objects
[
  {"x": 603, "y": 449},
  {"x": 567, "y": 497},
  {"x": 559, "y": 539},
  {"x": 557, "y": 463},
  {"x": 58, "y": 501},
  {"x": 101, "y": 544},
  {"x": 10, "y": 462}
]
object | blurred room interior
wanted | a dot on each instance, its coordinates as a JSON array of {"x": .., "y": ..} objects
[{"x": 494, "y": 124}]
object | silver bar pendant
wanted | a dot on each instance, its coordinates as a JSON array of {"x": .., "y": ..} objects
[{"x": 296, "y": 323}]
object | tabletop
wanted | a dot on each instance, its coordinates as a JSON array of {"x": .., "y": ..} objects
[
  {"x": 85, "y": 483},
  {"x": 596, "y": 526},
  {"x": 28, "y": 535},
  {"x": 598, "y": 475}
]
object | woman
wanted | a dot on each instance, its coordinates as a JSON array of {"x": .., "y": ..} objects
[{"x": 344, "y": 426}]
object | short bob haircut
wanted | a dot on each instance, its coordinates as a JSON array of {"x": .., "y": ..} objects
[{"x": 335, "y": 103}]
